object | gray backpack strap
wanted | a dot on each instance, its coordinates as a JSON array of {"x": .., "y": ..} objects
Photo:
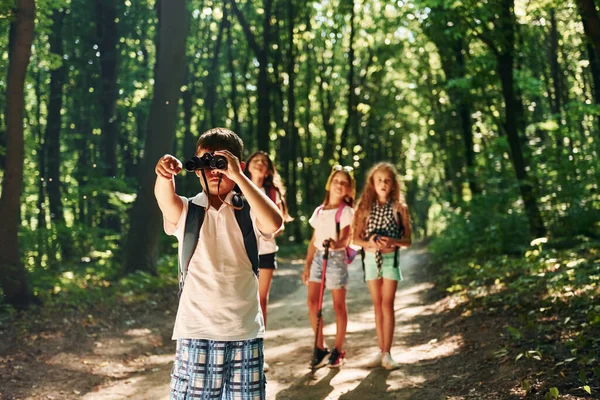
[
  {"x": 193, "y": 223},
  {"x": 247, "y": 228}
]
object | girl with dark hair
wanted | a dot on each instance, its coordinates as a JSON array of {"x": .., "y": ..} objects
[{"x": 261, "y": 170}]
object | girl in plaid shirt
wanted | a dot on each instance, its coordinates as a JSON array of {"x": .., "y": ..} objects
[{"x": 381, "y": 228}]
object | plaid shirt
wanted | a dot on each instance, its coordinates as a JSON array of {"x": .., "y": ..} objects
[{"x": 382, "y": 222}]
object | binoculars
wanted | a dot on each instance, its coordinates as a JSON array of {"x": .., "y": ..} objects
[{"x": 206, "y": 161}]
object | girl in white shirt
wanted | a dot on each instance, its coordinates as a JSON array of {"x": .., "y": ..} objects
[
  {"x": 261, "y": 170},
  {"x": 341, "y": 189}
]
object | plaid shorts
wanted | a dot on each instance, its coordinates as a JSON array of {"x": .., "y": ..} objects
[{"x": 209, "y": 369}]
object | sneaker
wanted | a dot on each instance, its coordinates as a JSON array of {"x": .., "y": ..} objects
[
  {"x": 266, "y": 367},
  {"x": 319, "y": 358},
  {"x": 374, "y": 360},
  {"x": 388, "y": 362},
  {"x": 336, "y": 359}
]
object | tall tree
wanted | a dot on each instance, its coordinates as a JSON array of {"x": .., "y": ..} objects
[
  {"x": 261, "y": 52},
  {"x": 591, "y": 21},
  {"x": 503, "y": 47},
  {"x": 351, "y": 125},
  {"x": 52, "y": 134},
  {"x": 141, "y": 250},
  {"x": 292, "y": 128},
  {"x": 12, "y": 271},
  {"x": 106, "y": 31},
  {"x": 106, "y": 28}
]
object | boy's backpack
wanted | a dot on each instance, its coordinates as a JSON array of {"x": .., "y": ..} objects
[
  {"x": 350, "y": 252},
  {"x": 193, "y": 224}
]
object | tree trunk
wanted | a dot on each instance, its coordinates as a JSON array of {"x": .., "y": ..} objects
[
  {"x": 213, "y": 74},
  {"x": 292, "y": 130},
  {"x": 326, "y": 105},
  {"x": 2, "y": 141},
  {"x": 52, "y": 137},
  {"x": 12, "y": 271},
  {"x": 233, "y": 82},
  {"x": 262, "y": 56},
  {"x": 594, "y": 57},
  {"x": 555, "y": 104},
  {"x": 188, "y": 181},
  {"x": 466, "y": 122},
  {"x": 505, "y": 70},
  {"x": 141, "y": 249},
  {"x": 351, "y": 125},
  {"x": 307, "y": 159},
  {"x": 591, "y": 21},
  {"x": 106, "y": 28},
  {"x": 41, "y": 181}
]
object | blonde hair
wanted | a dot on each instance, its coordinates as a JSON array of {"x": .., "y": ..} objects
[
  {"x": 368, "y": 196},
  {"x": 349, "y": 198}
]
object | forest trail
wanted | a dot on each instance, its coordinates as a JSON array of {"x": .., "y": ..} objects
[{"x": 437, "y": 360}]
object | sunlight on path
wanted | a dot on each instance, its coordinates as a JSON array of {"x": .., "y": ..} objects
[{"x": 289, "y": 341}]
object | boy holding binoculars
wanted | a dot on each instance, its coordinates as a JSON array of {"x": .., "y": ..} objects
[{"x": 219, "y": 325}]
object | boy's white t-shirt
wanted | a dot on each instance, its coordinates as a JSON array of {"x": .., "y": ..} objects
[
  {"x": 268, "y": 246},
  {"x": 220, "y": 295},
  {"x": 323, "y": 221}
]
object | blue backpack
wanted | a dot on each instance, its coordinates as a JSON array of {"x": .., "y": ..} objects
[{"x": 193, "y": 224}]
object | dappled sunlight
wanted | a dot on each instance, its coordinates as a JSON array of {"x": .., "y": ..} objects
[
  {"x": 138, "y": 332},
  {"x": 153, "y": 386},
  {"x": 354, "y": 326},
  {"x": 285, "y": 304},
  {"x": 414, "y": 288},
  {"x": 434, "y": 349}
]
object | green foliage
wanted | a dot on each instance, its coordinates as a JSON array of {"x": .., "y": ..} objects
[
  {"x": 6, "y": 8},
  {"x": 552, "y": 394},
  {"x": 419, "y": 67},
  {"x": 486, "y": 227},
  {"x": 292, "y": 251},
  {"x": 548, "y": 297},
  {"x": 96, "y": 281}
]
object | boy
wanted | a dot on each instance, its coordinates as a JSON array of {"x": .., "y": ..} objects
[{"x": 219, "y": 326}]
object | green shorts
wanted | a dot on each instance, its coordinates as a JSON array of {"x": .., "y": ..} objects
[{"x": 388, "y": 271}]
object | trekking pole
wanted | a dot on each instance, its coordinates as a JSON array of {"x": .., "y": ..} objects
[{"x": 321, "y": 291}]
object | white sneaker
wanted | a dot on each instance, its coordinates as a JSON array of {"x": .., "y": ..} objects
[
  {"x": 266, "y": 367},
  {"x": 374, "y": 360},
  {"x": 388, "y": 362}
]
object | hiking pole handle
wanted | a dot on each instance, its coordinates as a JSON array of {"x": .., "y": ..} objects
[{"x": 326, "y": 244}]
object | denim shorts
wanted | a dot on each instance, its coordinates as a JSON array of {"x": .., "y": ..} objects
[
  {"x": 336, "y": 274},
  {"x": 388, "y": 271}
]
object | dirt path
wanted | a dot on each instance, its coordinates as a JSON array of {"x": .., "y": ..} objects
[{"x": 439, "y": 355}]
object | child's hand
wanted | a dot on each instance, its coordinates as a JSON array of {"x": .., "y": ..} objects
[
  {"x": 330, "y": 243},
  {"x": 384, "y": 242},
  {"x": 305, "y": 275},
  {"x": 168, "y": 166},
  {"x": 374, "y": 241},
  {"x": 234, "y": 168}
]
